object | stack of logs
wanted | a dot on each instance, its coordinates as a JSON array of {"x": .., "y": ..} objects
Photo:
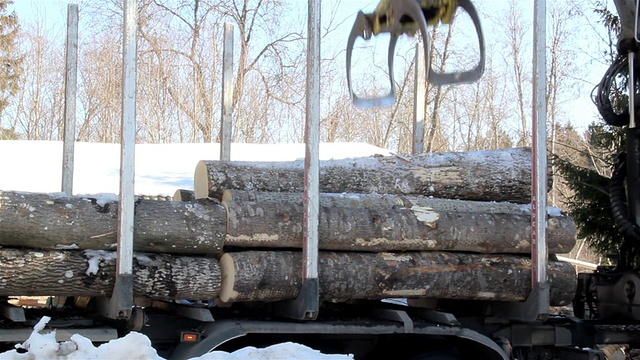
[{"x": 446, "y": 226}]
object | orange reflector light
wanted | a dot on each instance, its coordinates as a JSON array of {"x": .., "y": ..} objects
[{"x": 189, "y": 337}]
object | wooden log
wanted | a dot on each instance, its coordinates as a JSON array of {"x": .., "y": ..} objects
[
  {"x": 48, "y": 221},
  {"x": 279, "y": 225},
  {"x": 494, "y": 175},
  {"x": 276, "y": 275},
  {"x": 67, "y": 273},
  {"x": 374, "y": 201},
  {"x": 183, "y": 195},
  {"x": 56, "y": 221}
]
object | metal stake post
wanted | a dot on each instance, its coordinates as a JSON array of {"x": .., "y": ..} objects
[
  {"x": 539, "y": 252},
  {"x": 70, "y": 90},
  {"x": 121, "y": 303},
  {"x": 306, "y": 306},
  {"x": 536, "y": 307},
  {"x": 419, "y": 100},
  {"x": 312, "y": 149},
  {"x": 227, "y": 93}
]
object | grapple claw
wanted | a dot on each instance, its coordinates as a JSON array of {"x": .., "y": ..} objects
[
  {"x": 398, "y": 17},
  {"x": 437, "y": 78},
  {"x": 394, "y": 22}
]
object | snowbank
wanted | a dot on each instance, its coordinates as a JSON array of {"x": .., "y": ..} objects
[{"x": 135, "y": 346}]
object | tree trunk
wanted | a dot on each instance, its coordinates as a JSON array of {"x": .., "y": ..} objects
[
  {"x": 276, "y": 275},
  {"x": 56, "y": 221},
  {"x": 418, "y": 228},
  {"x": 493, "y": 175},
  {"x": 375, "y": 201},
  {"x": 67, "y": 273}
]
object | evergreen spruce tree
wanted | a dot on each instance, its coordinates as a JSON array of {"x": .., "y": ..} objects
[
  {"x": 588, "y": 176},
  {"x": 10, "y": 62}
]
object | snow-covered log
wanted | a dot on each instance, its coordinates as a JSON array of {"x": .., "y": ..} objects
[
  {"x": 56, "y": 221},
  {"x": 276, "y": 275},
  {"x": 490, "y": 175},
  {"x": 92, "y": 273},
  {"x": 279, "y": 225}
]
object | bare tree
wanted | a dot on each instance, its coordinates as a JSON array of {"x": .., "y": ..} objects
[
  {"x": 99, "y": 96},
  {"x": 38, "y": 106},
  {"x": 516, "y": 30}
]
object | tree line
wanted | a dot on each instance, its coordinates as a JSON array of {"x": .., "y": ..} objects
[{"x": 179, "y": 77}]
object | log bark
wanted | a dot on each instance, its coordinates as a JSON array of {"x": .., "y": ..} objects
[
  {"x": 56, "y": 221},
  {"x": 279, "y": 225},
  {"x": 65, "y": 273},
  {"x": 276, "y": 275},
  {"x": 494, "y": 175},
  {"x": 374, "y": 201}
]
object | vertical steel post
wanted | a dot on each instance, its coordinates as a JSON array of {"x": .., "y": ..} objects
[
  {"x": 121, "y": 303},
  {"x": 419, "y": 100},
  {"x": 70, "y": 91},
  {"x": 227, "y": 93},
  {"x": 307, "y": 304},
  {"x": 539, "y": 255},
  {"x": 312, "y": 158}
]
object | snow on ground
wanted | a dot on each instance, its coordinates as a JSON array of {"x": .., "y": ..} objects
[
  {"x": 36, "y": 166},
  {"x": 135, "y": 346}
]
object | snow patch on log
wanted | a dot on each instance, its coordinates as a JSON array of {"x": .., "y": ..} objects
[
  {"x": 551, "y": 210},
  {"x": 101, "y": 199},
  {"x": 95, "y": 256},
  {"x": 73, "y": 246}
]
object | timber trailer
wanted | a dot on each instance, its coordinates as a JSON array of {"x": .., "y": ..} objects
[{"x": 606, "y": 307}]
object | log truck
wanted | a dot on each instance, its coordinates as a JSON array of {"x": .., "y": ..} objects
[{"x": 605, "y": 305}]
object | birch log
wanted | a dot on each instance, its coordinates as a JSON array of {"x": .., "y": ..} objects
[
  {"x": 490, "y": 175},
  {"x": 275, "y": 275},
  {"x": 92, "y": 273},
  {"x": 279, "y": 225},
  {"x": 56, "y": 221}
]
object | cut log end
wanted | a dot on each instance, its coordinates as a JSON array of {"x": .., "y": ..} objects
[
  {"x": 201, "y": 181},
  {"x": 183, "y": 195},
  {"x": 228, "y": 270}
]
